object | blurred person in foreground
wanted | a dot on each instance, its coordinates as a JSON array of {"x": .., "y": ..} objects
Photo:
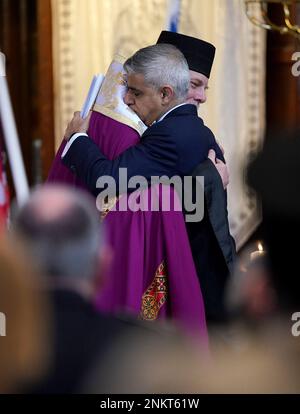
[
  {"x": 272, "y": 277},
  {"x": 275, "y": 177},
  {"x": 61, "y": 229},
  {"x": 264, "y": 353},
  {"x": 24, "y": 323}
]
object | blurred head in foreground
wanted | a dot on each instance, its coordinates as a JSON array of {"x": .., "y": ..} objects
[
  {"x": 274, "y": 174},
  {"x": 61, "y": 228}
]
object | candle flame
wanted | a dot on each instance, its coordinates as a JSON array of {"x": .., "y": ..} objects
[{"x": 260, "y": 247}]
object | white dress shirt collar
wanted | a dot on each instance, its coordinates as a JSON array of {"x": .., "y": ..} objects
[{"x": 170, "y": 110}]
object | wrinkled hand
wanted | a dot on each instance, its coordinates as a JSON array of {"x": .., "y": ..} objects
[
  {"x": 221, "y": 167},
  {"x": 77, "y": 124}
]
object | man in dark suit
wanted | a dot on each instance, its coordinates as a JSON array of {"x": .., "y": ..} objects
[
  {"x": 60, "y": 228},
  {"x": 212, "y": 246},
  {"x": 174, "y": 144}
]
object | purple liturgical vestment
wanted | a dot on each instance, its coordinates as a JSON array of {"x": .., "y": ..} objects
[{"x": 152, "y": 274}]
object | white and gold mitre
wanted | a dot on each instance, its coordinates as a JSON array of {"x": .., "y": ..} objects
[{"x": 110, "y": 101}]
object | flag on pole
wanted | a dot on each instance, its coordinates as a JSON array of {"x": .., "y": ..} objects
[
  {"x": 11, "y": 138},
  {"x": 173, "y": 15}
]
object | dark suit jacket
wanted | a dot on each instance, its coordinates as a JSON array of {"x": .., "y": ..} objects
[
  {"x": 213, "y": 248},
  {"x": 81, "y": 337},
  {"x": 174, "y": 146}
]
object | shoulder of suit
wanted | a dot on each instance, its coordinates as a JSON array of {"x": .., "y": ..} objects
[
  {"x": 175, "y": 121},
  {"x": 159, "y": 128}
]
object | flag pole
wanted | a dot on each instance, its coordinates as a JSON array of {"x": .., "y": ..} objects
[
  {"x": 11, "y": 138},
  {"x": 173, "y": 15}
]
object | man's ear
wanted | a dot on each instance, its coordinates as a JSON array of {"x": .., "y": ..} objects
[{"x": 167, "y": 94}]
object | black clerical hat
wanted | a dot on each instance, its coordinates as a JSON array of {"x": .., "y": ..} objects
[{"x": 198, "y": 53}]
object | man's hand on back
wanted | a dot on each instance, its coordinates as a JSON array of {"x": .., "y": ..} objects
[{"x": 221, "y": 168}]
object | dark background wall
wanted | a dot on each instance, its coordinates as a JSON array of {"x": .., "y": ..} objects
[{"x": 25, "y": 38}]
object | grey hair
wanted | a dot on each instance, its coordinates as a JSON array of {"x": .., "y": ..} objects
[
  {"x": 161, "y": 64},
  {"x": 66, "y": 245}
]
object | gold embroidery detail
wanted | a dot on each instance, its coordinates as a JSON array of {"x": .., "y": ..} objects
[
  {"x": 107, "y": 205},
  {"x": 156, "y": 294},
  {"x": 110, "y": 112}
]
